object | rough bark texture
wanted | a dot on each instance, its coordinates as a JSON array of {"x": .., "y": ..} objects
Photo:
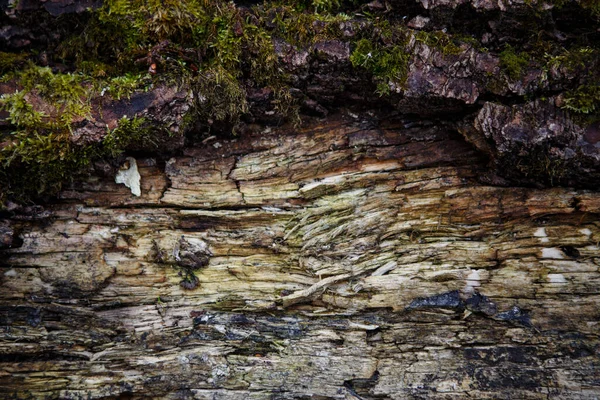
[
  {"x": 421, "y": 249},
  {"x": 344, "y": 261}
]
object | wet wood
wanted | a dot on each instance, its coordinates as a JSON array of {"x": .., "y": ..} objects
[{"x": 338, "y": 261}]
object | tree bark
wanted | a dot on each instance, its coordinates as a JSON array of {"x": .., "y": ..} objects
[
  {"x": 409, "y": 240},
  {"x": 344, "y": 260}
]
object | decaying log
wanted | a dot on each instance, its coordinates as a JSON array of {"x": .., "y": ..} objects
[{"x": 343, "y": 260}]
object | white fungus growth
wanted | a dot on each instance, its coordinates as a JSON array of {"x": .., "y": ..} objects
[
  {"x": 552, "y": 252},
  {"x": 556, "y": 278},
  {"x": 129, "y": 176},
  {"x": 541, "y": 233},
  {"x": 11, "y": 273}
]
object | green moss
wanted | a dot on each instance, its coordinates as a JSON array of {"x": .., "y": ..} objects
[
  {"x": 135, "y": 130},
  {"x": 37, "y": 157},
  {"x": 21, "y": 112},
  {"x": 470, "y": 40},
  {"x": 44, "y": 162},
  {"x": 325, "y": 5},
  {"x": 220, "y": 95},
  {"x": 585, "y": 99},
  {"x": 10, "y": 61},
  {"x": 583, "y": 62},
  {"x": 513, "y": 63},
  {"x": 93, "y": 69},
  {"x": 217, "y": 50},
  {"x": 571, "y": 61},
  {"x": 388, "y": 64},
  {"x": 209, "y": 46},
  {"x": 65, "y": 95},
  {"x": 439, "y": 40},
  {"x": 264, "y": 64},
  {"x": 301, "y": 28},
  {"x": 124, "y": 86},
  {"x": 198, "y": 44},
  {"x": 538, "y": 164}
]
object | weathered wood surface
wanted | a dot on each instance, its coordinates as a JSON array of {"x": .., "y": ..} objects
[{"x": 344, "y": 261}]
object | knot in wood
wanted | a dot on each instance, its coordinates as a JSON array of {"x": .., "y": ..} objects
[{"x": 191, "y": 253}]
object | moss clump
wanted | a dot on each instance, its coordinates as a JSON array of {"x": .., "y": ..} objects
[
  {"x": 572, "y": 60},
  {"x": 64, "y": 97},
  {"x": 220, "y": 95},
  {"x": 439, "y": 40},
  {"x": 20, "y": 112},
  {"x": 539, "y": 164},
  {"x": 325, "y": 5},
  {"x": 120, "y": 87},
  {"x": 10, "y": 61},
  {"x": 136, "y": 130},
  {"x": 196, "y": 43},
  {"x": 585, "y": 99},
  {"x": 189, "y": 42},
  {"x": 37, "y": 155},
  {"x": 388, "y": 64},
  {"x": 44, "y": 161},
  {"x": 583, "y": 62},
  {"x": 513, "y": 63},
  {"x": 300, "y": 28}
]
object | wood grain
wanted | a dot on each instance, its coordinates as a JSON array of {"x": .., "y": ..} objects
[{"x": 344, "y": 262}]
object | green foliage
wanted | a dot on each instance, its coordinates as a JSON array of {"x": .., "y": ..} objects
[
  {"x": 64, "y": 96},
  {"x": 301, "y": 28},
  {"x": 438, "y": 40},
  {"x": 136, "y": 130},
  {"x": 540, "y": 164},
  {"x": 10, "y": 61},
  {"x": 66, "y": 93},
  {"x": 164, "y": 19},
  {"x": 386, "y": 63},
  {"x": 93, "y": 69},
  {"x": 362, "y": 56},
  {"x": 572, "y": 60},
  {"x": 44, "y": 161},
  {"x": 196, "y": 43},
  {"x": 585, "y": 99},
  {"x": 220, "y": 96},
  {"x": 286, "y": 105},
  {"x": 38, "y": 156},
  {"x": 325, "y": 5},
  {"x": 39, "y": 147},
  {"x": 21, "y": 113},
  {"x": 513, "y": 63},
  {"x": 123, "y": 86}
]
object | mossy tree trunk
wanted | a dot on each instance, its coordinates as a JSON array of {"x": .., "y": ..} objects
[
  {"x": 342, "y": 261},
  {"x": 430, "y": 229}
]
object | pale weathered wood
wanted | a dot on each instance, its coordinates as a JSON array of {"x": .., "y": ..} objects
[{"x": 343, "y": 263}]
